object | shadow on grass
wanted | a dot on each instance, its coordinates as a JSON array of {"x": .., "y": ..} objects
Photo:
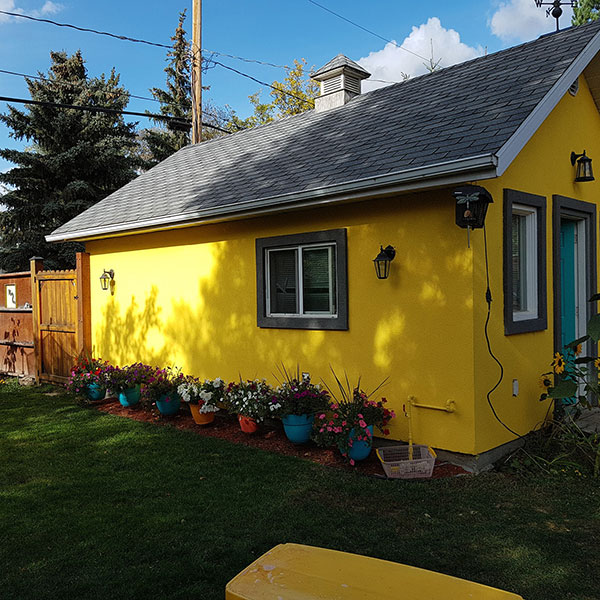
[{"x": 99, "y": 506}]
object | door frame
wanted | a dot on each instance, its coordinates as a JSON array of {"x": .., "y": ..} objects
[{"x": 564, "y": 207}]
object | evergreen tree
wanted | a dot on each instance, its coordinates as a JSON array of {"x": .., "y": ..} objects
[
  {"x": 585, "y": 12},
  {"x": 74, "y": 159},
  {"x": 175, "y": 101}
]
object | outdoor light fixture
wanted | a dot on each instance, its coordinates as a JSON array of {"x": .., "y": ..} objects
[
  {"x": 471, "y": 207},
  {"x": 106, "y": 279},
  {"x": 382, "y": 261},
  {"x": 584, "y": 167}
]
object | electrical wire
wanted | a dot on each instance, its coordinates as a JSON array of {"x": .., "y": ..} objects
[
  {"x": 79, "y": 84},
  {"x": 309, "y": 102},
  {"x": 488, "y": 299},
  {"x": 136, "y": 40},
  {"x": 368, "y": 30},
  {"x": 104, "y": 109}
]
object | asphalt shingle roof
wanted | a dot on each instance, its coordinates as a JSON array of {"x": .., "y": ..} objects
[
  {"x": 340, "y": 61},
  {"x": 462, "y": 111}
]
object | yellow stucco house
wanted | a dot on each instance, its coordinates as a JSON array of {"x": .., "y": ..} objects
[{"x": 256, "y": 249}]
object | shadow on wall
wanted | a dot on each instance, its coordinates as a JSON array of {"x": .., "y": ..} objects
[{"x": 124, "y": 334}]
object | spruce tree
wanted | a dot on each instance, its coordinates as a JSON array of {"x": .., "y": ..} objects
[
  {"x": 74, "y": 159},
  {"x": 175, "y": 101}
]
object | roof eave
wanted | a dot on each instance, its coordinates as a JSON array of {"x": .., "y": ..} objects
[
  {"x": 514, "y": 145},
  {"x": 446, "y": 173}
]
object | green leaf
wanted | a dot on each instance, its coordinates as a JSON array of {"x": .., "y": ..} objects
[
  {"x": 594, "y": 298},
  {"x": 593, "y": 328},
  {"x": 565, "y": 389},
  {"x": 578, "y": 341},
  {"x": 584, "y": 359}
]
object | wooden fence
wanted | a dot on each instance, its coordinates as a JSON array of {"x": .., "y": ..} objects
[
  {"x": 61, "y": 317},
  {"x": 16, "y": 324}
]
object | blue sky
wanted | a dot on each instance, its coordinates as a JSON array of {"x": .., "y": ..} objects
[{"x": 268, "y": 30}]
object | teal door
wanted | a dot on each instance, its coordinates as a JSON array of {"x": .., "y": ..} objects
[{"x": 568, "y": 281}]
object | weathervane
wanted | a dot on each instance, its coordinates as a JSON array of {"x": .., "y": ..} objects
[{"x": 555, "y": 8}]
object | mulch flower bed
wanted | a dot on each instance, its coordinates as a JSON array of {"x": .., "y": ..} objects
[{"x": 270, "y": 437}]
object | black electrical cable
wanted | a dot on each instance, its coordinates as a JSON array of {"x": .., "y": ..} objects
[
  {"x": 114, "y": 111},
  {"x": 488, "y": 299}
]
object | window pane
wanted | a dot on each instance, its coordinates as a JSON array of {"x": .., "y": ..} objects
[
  {"x": 318, "y": 269},
  {"x": 519, "y": 262},
  {"x": 283, "y": 281}
]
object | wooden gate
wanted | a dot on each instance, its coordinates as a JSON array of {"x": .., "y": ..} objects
[{"x": 61, "y": 318}]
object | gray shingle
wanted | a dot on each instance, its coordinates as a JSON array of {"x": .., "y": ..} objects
[{"x": 458, "y": 112}]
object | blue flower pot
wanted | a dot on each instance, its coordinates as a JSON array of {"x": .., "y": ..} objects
[
  {"x": 298, "y": 427},
  {"x": 130, "y": 396},
  {"x": 95, "y": 391},
  {"x": 168, "y": 404},
  {"x": 360, "y": 449}
]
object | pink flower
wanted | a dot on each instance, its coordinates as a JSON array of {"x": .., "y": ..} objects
[
  {"x": 360, "y": 416},
  {"x": 344, "y": 423},
  {"x": 352, "y": 461},
  {"x": 328, "y": 428},
  {"x": 362, "y": 424},
  {"x": 322, "y": 416}
]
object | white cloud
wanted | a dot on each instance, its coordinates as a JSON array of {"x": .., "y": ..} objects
[
  {"x": 48, "y": 8},
  {"x": 392, "y": 63},
  {"x": 522, "y": 20}
]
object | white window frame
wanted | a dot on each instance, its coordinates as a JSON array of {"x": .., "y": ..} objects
[
  {"x": 331, "y": 314},
  {"x": 531, "y": 261}
]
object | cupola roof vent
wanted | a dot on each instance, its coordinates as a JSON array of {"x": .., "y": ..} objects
[{"x": 340, "y": 81}]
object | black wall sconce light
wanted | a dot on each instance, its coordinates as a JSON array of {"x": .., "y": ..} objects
[
  {"x": 584, "y": 167},
  {"x": 471, "y": 207},
  {"x": 382, "y": 261},
  {"x": 107, "y": 279}
]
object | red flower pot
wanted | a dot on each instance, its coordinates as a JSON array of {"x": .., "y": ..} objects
[{"x": 247, "y": 424}]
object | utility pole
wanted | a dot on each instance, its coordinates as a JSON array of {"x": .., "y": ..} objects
[{"x": 197, "y": 72}]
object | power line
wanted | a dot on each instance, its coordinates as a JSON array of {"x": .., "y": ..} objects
[
  {"x": 78, "y": 84},
  {"x": 136, "y": 40},
  {"x": 309, "y": 102},
  {"x": 367, "y": 30},
  {"x": 177, "y": 121}
]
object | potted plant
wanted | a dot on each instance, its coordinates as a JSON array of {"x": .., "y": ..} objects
[
  {"x": 160, "y": 388},
  {"x": 202, "y": 398},
  {"x": 299, "y": 400},
  {"x": 126, "y": 382},
  {"x": 351, "y": 421},
  {"x": 88, "y": 377},
  {"x": 252, "y": 401}
]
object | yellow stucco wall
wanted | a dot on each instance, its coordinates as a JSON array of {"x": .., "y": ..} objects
[
  {"x": 543, "y": 167},
  {"x": 187, "y": 297}
]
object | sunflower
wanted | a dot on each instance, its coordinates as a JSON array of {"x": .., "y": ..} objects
[
  {"x": 597, "y": 363},
  {"x": 578, "y": 349},
  {"x": 558, "y": 364},
  {"x": 545, "y": 381}
]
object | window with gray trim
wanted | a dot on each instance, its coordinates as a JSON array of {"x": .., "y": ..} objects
[
  {"x": 524, "y": 262},
  {"x": 302, "y": 281}
]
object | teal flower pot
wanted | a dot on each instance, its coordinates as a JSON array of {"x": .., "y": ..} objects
[
  {"x": 168, "y": 404},
  {"x": 360, "y": 449},
  {"x": 95, "y": 391},
  {"x": 298, "y": 427},
  {"x": 130, "y": 396}
]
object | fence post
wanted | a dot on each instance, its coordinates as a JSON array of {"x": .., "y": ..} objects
[
  {"x": 84, "y": 312},
  {"x": 36, "y": 265}
]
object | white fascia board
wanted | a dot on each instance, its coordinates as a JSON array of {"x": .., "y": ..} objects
[
  {"x": 445, "y": 173},
  {"x": 540, "y": 113}
]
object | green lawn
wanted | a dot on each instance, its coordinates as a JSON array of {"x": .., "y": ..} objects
[{"x": 96, "y": 506}]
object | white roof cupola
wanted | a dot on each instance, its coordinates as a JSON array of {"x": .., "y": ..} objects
[{"x": 340, "y": 81}]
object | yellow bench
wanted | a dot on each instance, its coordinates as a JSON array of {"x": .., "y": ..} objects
[{"x": 297, "y": 572}]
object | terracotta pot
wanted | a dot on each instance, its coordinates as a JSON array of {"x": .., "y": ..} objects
[
  {"x": 201, "y": 418},
  {"x": 247, "y": 424}
]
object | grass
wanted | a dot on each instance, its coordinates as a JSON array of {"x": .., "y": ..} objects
[{"x": 96, "y": 506}]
